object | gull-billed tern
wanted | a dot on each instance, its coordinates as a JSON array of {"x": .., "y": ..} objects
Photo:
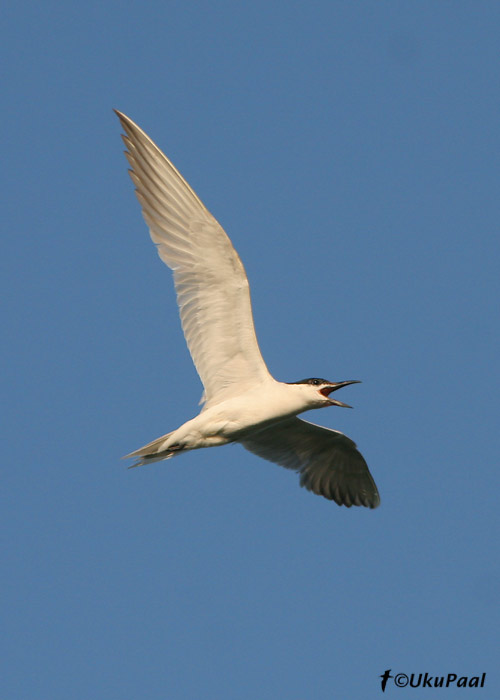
[{"x": 242, "y": 401}]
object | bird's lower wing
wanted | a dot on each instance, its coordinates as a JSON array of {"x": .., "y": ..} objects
[
  {"x": 328, "y": 461},
  {"x": 210, "y": 280}
]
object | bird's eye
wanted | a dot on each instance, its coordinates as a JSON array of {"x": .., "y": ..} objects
[{"x": 315, "y": 382}]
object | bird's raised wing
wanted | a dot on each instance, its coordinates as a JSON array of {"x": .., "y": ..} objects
[
  {"x": 328, "y": 462},
  {"x": 212, "y": 288}
]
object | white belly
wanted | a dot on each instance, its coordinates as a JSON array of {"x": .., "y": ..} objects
[{"x": 236, "y": 417}]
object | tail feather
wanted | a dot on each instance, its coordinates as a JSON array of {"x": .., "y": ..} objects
[{"x": 152, "y": 452}]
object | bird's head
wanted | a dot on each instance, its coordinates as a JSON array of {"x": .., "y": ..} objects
[{"x": 317, "y": 391}]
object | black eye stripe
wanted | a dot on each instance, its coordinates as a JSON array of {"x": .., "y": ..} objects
[{"x": 314, "y": 381}]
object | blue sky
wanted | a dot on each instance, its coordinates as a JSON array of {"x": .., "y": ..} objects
[{"x": 351, "y": 151}]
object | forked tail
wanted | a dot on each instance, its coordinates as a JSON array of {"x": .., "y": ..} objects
[{"x": 152, "y": 452}]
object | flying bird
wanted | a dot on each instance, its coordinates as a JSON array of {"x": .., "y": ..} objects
[{"x": 242, "y": 402}]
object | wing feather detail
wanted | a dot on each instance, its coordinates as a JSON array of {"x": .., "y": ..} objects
[
  {"x": 327, "y": 460},
  {"x": 211, "y": 284}
]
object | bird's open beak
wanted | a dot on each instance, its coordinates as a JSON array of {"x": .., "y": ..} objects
[{"x": 327, "y": 390}]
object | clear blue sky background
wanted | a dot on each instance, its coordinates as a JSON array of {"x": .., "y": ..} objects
[{"x": 351, "y": 151}]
